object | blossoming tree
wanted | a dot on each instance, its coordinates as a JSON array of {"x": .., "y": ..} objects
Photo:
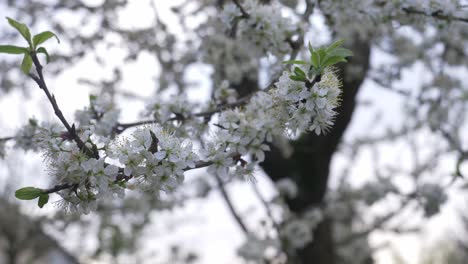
[{"x": 283, "y": 92}]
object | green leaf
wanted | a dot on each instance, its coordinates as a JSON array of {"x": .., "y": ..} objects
[
  {"x": 329, "y": 61},
  {"x": 311, "y": 49},
  {"x": 26, "y": 64},
  {"x": 9, "y": 49},
  {"x": 322, "y": 54},
  {"x": 294, "y": 62},
  {"x": 32, "y": 122},
  {"x": 43, "y": 50},
  {"x": 299, "y": 72},
  {"x": 297, "y": 78},
  {"x": 28, "y": 193},
  {"x": 43, "y": 37},
  {"x": 335, "y": 45},
  {"x": 22, "y": 29},
  {"x": 342, "y": 52},
  {"x": 43, "y": 199},
  {"x": 315, "y": 59}
]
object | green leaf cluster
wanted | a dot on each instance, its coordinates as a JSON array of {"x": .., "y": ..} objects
[
  {"x": 33, "y": 44},
  {"x": 320, "y": 59},
  {"x": 30, "y": 193}
]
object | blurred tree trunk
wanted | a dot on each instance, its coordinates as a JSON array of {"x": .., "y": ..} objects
[
  {"x": 309, "y": 165},
  {"x": 11, "y": 255},
  {"x": 23, "y": 239}
]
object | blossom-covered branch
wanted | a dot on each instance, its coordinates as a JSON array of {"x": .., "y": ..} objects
[
  {"x": 438, "y": 14},
  {"x": 98, "y": 163}
]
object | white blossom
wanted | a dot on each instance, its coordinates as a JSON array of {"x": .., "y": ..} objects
[
  {"x": 25, "y": 138},
  {"x": 224, "y": 94},
  {"x": 178, "y": 106},
  {"x": 287, "y": 188},
  {"x": 265, "y": 28},
  {"x": 298, "y": 232},
  {"x": 254, "y": 248},
  {"x": 101, "y": 116}
]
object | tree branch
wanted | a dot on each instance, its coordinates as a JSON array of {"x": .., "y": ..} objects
[
  {"x": 122, "y": 178},
  {"x": 267, "y": 207},
  {"x": 377, "y": 223},
  {"x": 6, "y": 139},
  {"x": 244, "y": 13},
  {"x": 71, "y": 129},
  {"x": 439, "y": 14},
  {"x": 207, "y": 114},
  {"x": 228, "y": 201}
]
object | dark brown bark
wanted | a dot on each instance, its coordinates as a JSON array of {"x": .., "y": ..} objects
[{"x": 310, "y": 163}]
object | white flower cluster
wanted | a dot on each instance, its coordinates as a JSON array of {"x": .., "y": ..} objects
[
  {"x": 25, "y": 137},
  {"x": 224, "y": 94},
  {"x": 37, "y": 137},
  {"x": 91, "y": 178},
  {"x": 448, "y": 109},
  {"x": 48, "y": 137},
  {"x": 232, "y": 58},
  {"x": 357, "y": 250},
  {"x": 299, "y": 231},
  {"x": 101, "y": 117},
  {"x": 295, "y": 233},
  {"x": 152, "y": 158},
  {"x": 316, "y": 104},
  {"x": 291, "y": 107},
  {"x": 287, "y": 188},
  {"x": 51, "y": 137},
  {"x": 265, "y": 27},
  {"x": 179, "y": 109},
  {"x": 350, "y": 16},
  {"x": 156, "y": 158},
  {"x": 160, "y": 110},
  {"x": 221, "y": 160},
  {"x": 254, "y": 248}
]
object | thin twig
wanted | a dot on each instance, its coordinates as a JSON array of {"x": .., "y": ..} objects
[
  {"x": 207, "y": 114},
  {"x": 377, "y": 223},
  {"x": 439, "y": 14},
  {"x": 244, "y": 13},
  {"x": 6, "y": 139},
  {"x": 266, "y": 206},
  {"x": 60, "y": 187},
  {"x": 316, "y": 79},
  {"x": 228, "y": 201},
  {"x": 71, "y": 129}
]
